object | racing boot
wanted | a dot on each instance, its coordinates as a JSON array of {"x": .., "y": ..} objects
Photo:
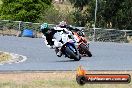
[{"x": 59, "y": 53}]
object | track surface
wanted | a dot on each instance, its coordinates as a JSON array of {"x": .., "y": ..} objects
[{"x": 106, "y": 56}]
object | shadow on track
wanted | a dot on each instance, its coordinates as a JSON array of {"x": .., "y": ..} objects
[{"x": 68, "y": 61}]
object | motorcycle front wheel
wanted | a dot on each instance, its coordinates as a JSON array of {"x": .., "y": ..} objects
[{"x": 72, "y": 55}]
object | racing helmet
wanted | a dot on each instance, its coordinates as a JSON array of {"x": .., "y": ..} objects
[
  {"x": 44, "y": 26},
  {"x": 63, "y": 24},
  {"x": 81, "y": 33}
]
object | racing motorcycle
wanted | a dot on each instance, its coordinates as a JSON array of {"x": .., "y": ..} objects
[
  {"x": 83, "y": 45},
  {"x": 66, "y": 45}
]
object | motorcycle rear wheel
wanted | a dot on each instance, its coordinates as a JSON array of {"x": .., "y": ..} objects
[{"x": 85, "y": 49}]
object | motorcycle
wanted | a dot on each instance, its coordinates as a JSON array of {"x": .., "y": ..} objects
[
  {"x": 66, "y": 45},
  {"x": 83, "y": 45}
]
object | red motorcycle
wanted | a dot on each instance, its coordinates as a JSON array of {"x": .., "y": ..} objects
[{"x": 83, "y": 45}]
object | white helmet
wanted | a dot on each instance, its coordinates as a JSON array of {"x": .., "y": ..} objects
[{"x": 63, "y": 24}]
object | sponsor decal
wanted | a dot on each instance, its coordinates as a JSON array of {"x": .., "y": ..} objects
[{"x": 82, "y": 77}]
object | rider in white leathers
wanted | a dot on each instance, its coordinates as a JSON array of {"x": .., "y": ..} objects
[{"x": 61, "y": 37}]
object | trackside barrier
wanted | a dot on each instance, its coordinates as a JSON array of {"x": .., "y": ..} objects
[
  {"x": 13, "y": 28},
  {"x": 109, "y": 35}
]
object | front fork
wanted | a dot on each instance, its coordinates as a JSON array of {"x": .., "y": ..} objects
[{"x": 87, "y": 45}]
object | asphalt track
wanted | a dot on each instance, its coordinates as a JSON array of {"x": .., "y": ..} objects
[{"x": 106, "y": 56}]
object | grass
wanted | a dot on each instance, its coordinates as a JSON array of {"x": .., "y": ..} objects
[
  {"x": 50, "y": 80},
  {"x": 4, "y": 57},
  {"x": 0, "y": 2}
]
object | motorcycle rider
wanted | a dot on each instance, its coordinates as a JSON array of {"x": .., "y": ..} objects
[
  {"x": 62, "y": 40},
  {"x": 64, "y": 30},
  {"x": 47, "y": 34}
]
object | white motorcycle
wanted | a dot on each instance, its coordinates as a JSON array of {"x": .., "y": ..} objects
[{"x": 65, "y": 43}]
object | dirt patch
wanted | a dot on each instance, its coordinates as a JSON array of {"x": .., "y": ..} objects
[
  {"x": 10, "y": 58},
  {"x": 39, "y": 75},
  {"x": 4, "y": 57},
  {"x": 28, "y": 76},
  {"x": 129, "y": 39}
]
